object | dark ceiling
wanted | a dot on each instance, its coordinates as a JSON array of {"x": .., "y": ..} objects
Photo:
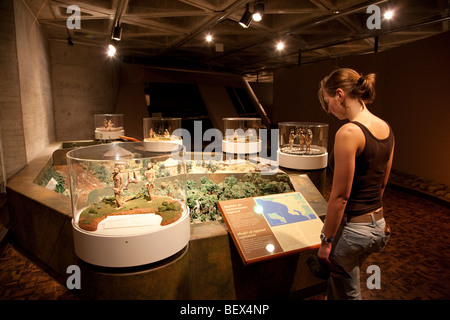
[{"x": 172, "y": 33}]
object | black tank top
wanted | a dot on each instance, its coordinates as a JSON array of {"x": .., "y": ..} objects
[{"x": 370, "y": 167}]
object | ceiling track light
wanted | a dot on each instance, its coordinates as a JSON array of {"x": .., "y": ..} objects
[
  {"x": 117, "y": 33},
  {"x": 258, "y": 11},
  {"x": 246, "y": 18},
  {"x": 111, "y": 50}
]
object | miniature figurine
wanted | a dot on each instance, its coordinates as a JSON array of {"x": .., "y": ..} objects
[
  {"x": 291, "y": 139},
  {"x": 166, "y": 134},
  {"x": 308, "y": 140},
  {"x": 150, "y": 175},
  {"x": 152, "y": 134},
  {"x": 132, "y": 178},
  {"x": 118, "y": 185},
  {"x": 301, "y": 136}
]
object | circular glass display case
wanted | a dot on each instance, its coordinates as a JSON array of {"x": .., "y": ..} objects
[
  {"x": 129, "y": 204},
  {"x": 108, "y": 126},
  {"x": 303, "y": 145},
  {"x": 160, "y": 133},
  {"x": 241, "y": 135}
]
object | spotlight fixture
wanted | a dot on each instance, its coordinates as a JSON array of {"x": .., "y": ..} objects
[
  {"x": 280, "y": 46},
  {"x": 111, "y": 50},
  {"x": 258, "y": 11},
  {"x": 246, "y": 17},
  {"x": 388, "y": 14},
  {"x": 209, "y": 37},
  {"x": 117, "y": 33}
]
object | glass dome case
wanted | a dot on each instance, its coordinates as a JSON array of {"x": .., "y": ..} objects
[
  {"x": 303, "y": 145},
  {"x": 160, "y": 133},
  {"x": 108, "y": 126},
  {"x": 129, "y": 204},
  {"x": 241, "y": 135}
]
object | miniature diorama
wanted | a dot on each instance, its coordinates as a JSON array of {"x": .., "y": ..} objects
[
  {"x": 108, "y": 126},
  {"x": 241, "y": 135},
  {"x": 303, "y": 145},
  {"x": 160, "y": 133},
  {"x": 204, "y": 191},
  {"x": 130, "y": 209}
]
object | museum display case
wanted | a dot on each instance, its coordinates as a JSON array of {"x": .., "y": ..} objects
[
  {"x": 241, "y": 135},
  {"x": 129, "y": 204},
  {"x": 303, "y": 145},
  {"x": 160, "y": 134},
  {"x": 108, "y": 126}
]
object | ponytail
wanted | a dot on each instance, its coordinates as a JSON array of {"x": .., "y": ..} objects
[
  {"x": 365, "y": 88},
  {"x": 356, "y": 85}
]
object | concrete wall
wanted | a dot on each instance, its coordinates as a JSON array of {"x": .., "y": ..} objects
[
  {"x": 26, "y": 113},
  {"x": 12, "y": 141},
  {"x": 412, "y": 95},
  {"x": 84, "y": 81},
  {"x": 35, "y": 81}
]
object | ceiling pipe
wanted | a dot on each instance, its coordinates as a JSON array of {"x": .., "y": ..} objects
[
  {"x": 307, "y": 25},
  {"x": 335, "y": 43},
  {"x": 219, "y": 17}
]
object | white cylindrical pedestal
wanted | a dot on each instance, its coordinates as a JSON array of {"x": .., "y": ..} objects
[
  {"x": 161, "y": 145},
  {"x": 303, "y": 162},
  {"x": 109, "y": 135},
  {"x": 241, "y": 147},
  {"x": 132, "y": 249}
]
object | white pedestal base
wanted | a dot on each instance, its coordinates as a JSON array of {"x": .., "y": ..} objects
[
  {"x": 241, "y": 147},
  {"x": 303, "y": 162},
  {"x": 132, "y": 248},
  {"x": 161, "y": 145},
  {"x": 109, "y": 135}
]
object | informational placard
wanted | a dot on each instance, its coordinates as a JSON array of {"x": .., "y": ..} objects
[{"x": 270, "y": 226}]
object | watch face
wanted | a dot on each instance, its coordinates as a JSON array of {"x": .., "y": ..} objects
[{"x": 324, "y": 238}]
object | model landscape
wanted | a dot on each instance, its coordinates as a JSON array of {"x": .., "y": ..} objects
[
  {"x": 202, "y": 199},
  {"x": 134, "y": 196},
  {"x": 169, "y": 209}
]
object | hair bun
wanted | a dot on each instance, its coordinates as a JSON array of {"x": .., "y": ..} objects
[{"x": 360, "y": 81}]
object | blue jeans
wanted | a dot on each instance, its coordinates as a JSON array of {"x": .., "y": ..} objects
[{"x": 355, "y": 243}]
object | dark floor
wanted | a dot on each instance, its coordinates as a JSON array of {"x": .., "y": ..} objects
[{"x": 414, "y": 265}]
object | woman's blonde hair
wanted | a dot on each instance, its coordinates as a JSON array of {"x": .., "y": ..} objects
[{"x": 351, "y": 82}]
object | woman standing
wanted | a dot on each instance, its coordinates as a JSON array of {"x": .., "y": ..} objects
[{"x": 361, "y": 161}]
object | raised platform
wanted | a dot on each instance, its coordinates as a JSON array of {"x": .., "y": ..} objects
[{"x": 208, "y": 268}]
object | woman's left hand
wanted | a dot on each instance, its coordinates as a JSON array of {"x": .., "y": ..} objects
[{"x": 324, "y": 252}]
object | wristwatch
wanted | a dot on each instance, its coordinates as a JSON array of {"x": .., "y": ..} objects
[{"x": 325, "y": 239}]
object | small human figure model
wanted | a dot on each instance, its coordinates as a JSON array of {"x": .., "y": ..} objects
[
  {"x": 291, "y": 139},
  {"x": 152, "y": 134},
  {"x": 132, "y": 178},
  {"x": 166, "y": 134},
  {"x": 105, "y": 123},
  {"x": 150, "y": 175},
  {"x": 308, "y": 140},
  {"x": 118, "y": 186},
  {"x": 301, "y": 137}
]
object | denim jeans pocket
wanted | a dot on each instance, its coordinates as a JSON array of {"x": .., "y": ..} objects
[{"x": 352, "y": 243}]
